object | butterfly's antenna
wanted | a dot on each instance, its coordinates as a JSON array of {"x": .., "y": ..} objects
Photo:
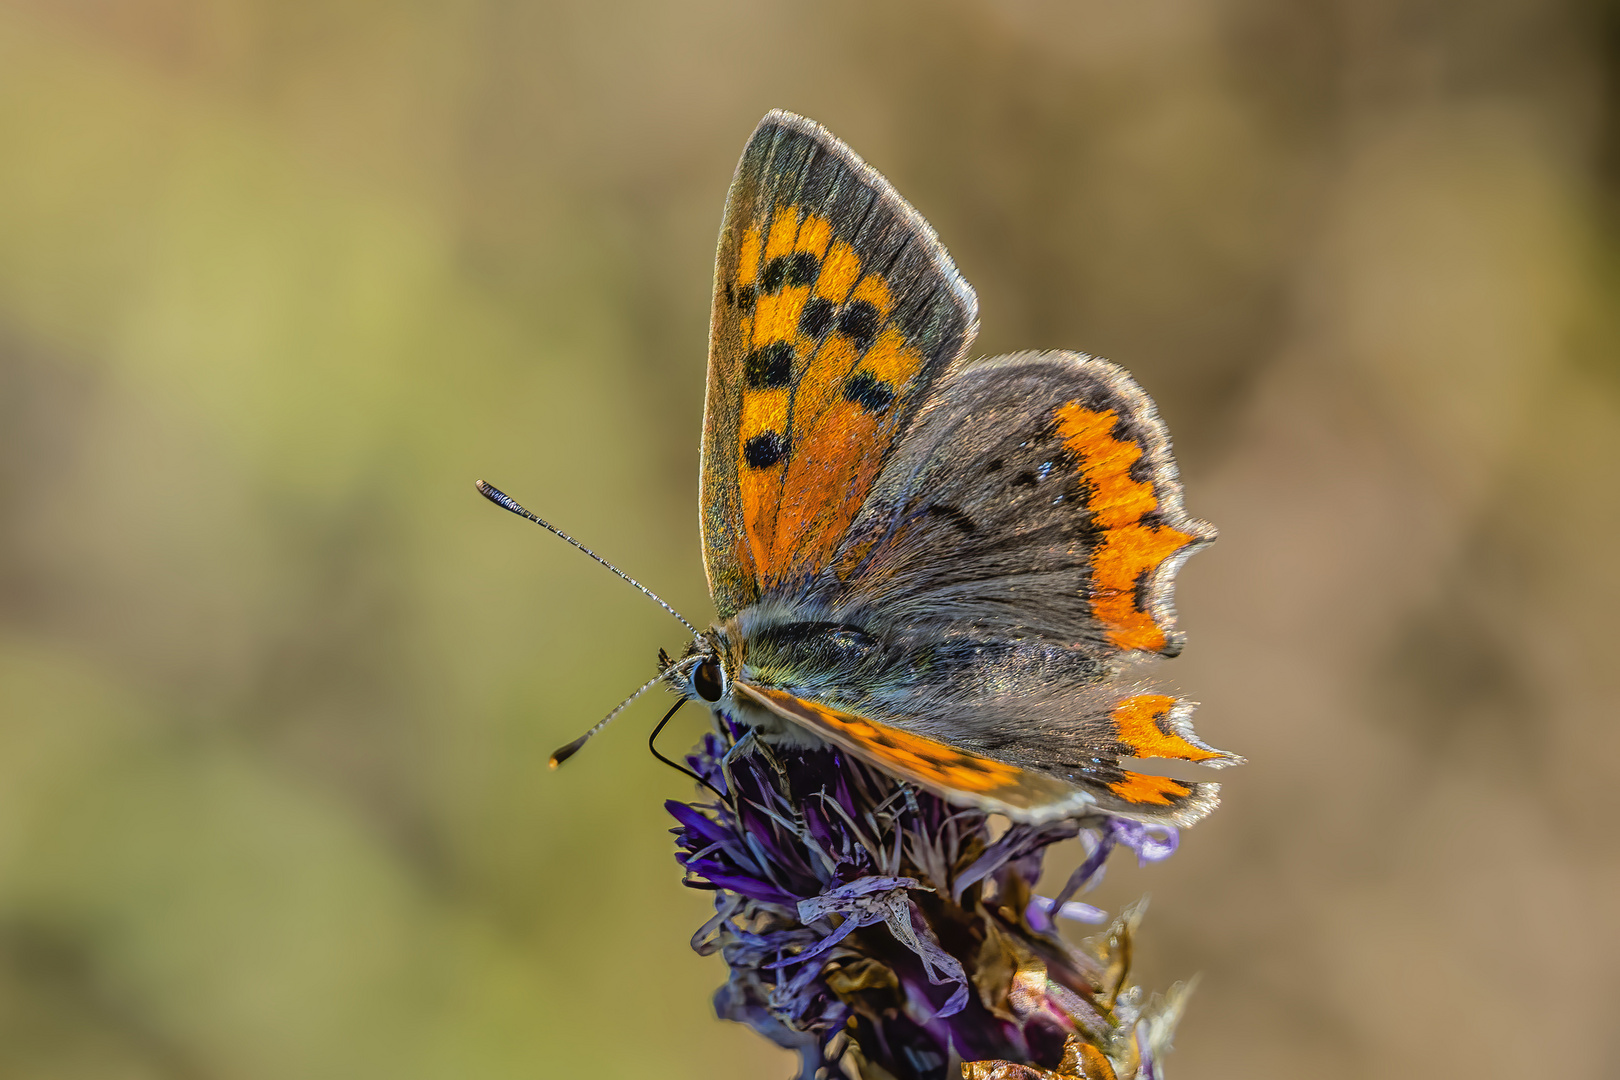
[
  {"x": 506, "y": 502},
  {"x": 572, "y": 748}
]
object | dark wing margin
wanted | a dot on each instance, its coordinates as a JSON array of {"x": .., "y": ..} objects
[{"x": 835, "y": 308}]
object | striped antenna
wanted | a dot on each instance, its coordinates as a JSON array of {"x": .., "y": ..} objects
[
  {"x": 506, "y": 502},
  {"x": 572, "y": 748}
]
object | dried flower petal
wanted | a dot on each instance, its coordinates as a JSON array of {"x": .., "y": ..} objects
[{"x": 1081, "y": 1061}]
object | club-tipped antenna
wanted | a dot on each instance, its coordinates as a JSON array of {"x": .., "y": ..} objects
[
  {"x": 506, "y": 502},
  {"x": 566, "y": 752}
]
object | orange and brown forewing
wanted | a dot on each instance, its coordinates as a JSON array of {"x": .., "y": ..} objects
[{"x": 835, "y": 307}]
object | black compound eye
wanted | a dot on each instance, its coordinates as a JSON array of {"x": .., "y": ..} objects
[{"x": 708, "y": 681}]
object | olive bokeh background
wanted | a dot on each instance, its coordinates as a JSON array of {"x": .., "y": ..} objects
[{"x": 280, "y": 278}]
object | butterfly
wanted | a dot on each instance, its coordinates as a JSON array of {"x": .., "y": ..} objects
[{"x": 956, "y": 570}]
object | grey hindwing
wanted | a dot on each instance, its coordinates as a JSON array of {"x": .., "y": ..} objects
[{"x": 981, "y": 522}]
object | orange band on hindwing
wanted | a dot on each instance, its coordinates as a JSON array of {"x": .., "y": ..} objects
[
  {"x": 1155, "y": 726},
  {"x": 1147, "y": 789},
  {"x": 1141, "y": 724},
  {"x": 944, "y": 769},
  {"x": 927, "y": 760},
  {"x": 965, "y": 777},
  {"x": 1132, "y": 548}
]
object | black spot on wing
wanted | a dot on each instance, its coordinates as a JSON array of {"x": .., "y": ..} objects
[
  {"x": 869, "y": 392},
  {"x": 796, "y": 270},
  {"x": 742, "y": 297},
  {"x": 1140, "y": 594},
  {"x": 802, "y": 268},
  {"x": 764, "y": 450},
  {"x": 775, "y": 275},
  {"x": 769, "y": 367},
  {"x": 955, "y": 517},
  {"x": 859, "y": 322},
  {"x": 816, "y": 317}
]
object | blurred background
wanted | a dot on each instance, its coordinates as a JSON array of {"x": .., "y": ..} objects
[{"x": 279, "y": 279}]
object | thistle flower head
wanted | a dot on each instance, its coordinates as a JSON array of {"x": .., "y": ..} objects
[{"x": 869, "y": 924}]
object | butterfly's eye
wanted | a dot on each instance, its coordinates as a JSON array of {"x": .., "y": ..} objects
[{"x": 708, "y": 681}]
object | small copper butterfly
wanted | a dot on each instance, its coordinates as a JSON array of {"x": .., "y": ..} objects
[{"x": 955, "y": 569}]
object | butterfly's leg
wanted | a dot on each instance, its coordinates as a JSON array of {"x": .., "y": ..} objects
[
  {"x": 723, "y": 728},
  {"x": 751, "y": 744},
  {"x": 764, "y": 750},
  {"x": 738, "y": 748}
]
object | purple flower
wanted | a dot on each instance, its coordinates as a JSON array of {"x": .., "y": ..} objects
[{"x": 866, "y": 922}]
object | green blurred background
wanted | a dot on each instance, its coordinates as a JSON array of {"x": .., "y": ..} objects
[{"x": 279, "y": 279}]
